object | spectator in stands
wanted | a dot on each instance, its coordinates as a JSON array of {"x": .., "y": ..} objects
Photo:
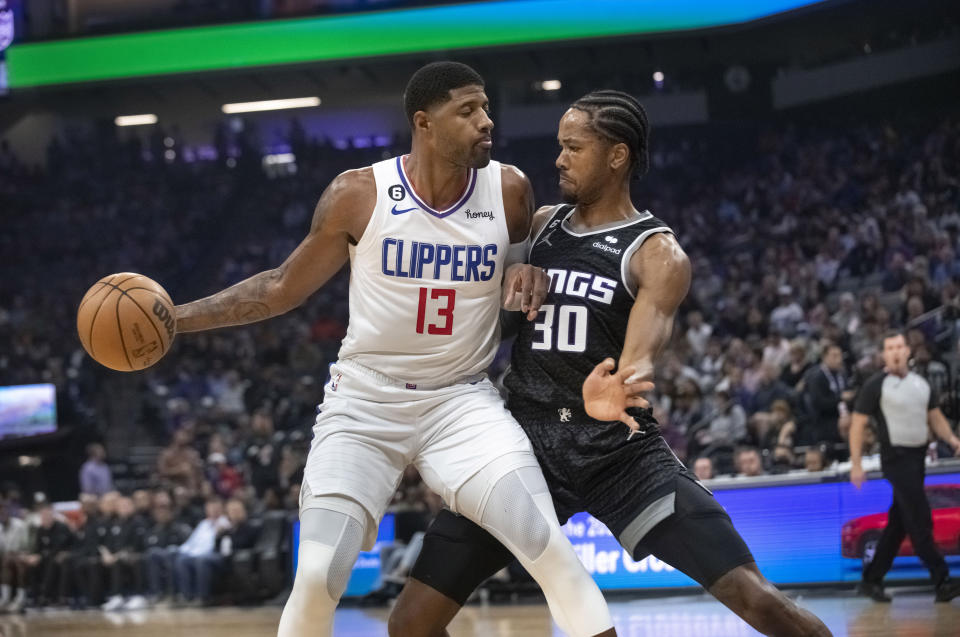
[
  {"x": 47, "y": 563},
  {"x": 143, "y": 503},
  {"x": 95, "y": 475},
  {"x": 710, "y": 367},
  {"x": 896, "y": 274},
  {"x": 686, "y": 413},
  {"x": 225, "y": 479},
  {"x": 726, "y": 424},
  {"x": 234, "y": 544},
  {"x": 12, "y": 498},
  {"x": 698, "y": 333},
  {"x": 161, "y": 543},
  {"x": 770, "y": 389},
  {"x": 197, "y": 558},
  {"x": 188, "y": 508},
  {"x": 787, "y": 315},
  {"x": 180, "y": 463},
  {"x": 703, "y": 468},
  {"x": 846, "y": 317},
  {"x": 261, "y": 455},
  {"x": 825, "y": 386},
  {"x": 85, "y": 555},
  {"x": 815, "y": 459},
  {"x": 748, "y": 462},
  {"x": 240, "y": 535},
  {"x": 776, "y": 351},
  {"x": 917, "y": 320},
  {"x": 290, "y": 469},
  {"x": 14, "y": 544},
  {"x": 121, "y": 556}
]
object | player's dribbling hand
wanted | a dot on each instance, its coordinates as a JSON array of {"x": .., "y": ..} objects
[
  {"x": 606, "y": 395},
  {"x": 524, "y": 289}
]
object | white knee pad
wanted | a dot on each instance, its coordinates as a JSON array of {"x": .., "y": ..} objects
[
  {"x": 329, "y": 544},
  {"x": 517, "y": 510},
  {"x": 512, "y": 503}
]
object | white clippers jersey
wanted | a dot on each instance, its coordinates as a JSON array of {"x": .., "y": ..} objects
[{"x": 425, "y": 284}]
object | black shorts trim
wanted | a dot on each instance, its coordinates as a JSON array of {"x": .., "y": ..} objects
[
  {"x": 458, "y": 556},
  {"x": 698, "y": 539}
]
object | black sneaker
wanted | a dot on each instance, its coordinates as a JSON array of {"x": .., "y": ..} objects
[
  {"x": 947, "y": 590},
  {"x": 874, "y": 591}
]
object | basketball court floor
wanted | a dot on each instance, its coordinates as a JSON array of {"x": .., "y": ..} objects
[{"x": 912, "y": 614}]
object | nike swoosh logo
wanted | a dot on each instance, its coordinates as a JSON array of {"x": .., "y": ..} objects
[{"x": 400, "y": 212}]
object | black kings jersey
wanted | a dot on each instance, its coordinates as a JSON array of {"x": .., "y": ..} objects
[{"x": 584, "y": 317}]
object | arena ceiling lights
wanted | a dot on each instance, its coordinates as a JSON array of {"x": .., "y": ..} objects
[
  {"x": 382, "y": 33},
  {"x": 135, "y": 120},
  {"x": 270, "y": 105}
]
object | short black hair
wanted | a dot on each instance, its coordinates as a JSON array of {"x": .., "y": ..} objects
[
  {"x": 620, "y": 118},
  {"x": 894, "y": 333},
  {"x": 432, "y": 84},
  {"x": 829, "y": 345}
]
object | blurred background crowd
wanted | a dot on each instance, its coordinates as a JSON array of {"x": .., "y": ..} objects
[{"x": 808, "y": 243}]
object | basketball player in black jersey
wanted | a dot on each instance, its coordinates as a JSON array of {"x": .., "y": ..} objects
[{"x": 617, "y": 279}]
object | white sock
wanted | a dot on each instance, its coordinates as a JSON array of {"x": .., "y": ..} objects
[{"x": 4, "y": 593}]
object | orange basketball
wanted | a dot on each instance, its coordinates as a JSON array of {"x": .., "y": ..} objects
[{"x": 126, "y": 321}]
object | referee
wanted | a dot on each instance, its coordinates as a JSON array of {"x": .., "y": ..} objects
[{"x": 902, "y": 403}]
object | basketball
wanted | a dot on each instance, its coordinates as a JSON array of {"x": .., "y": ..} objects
[{"x": 126, "y": 321}]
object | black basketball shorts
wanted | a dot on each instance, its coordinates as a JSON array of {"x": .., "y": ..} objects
[{"x": 697, "y": 539}]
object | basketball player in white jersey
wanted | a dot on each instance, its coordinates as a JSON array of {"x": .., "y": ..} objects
[{"x": 435, "y": 240}]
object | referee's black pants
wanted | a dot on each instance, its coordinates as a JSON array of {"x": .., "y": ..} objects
[{"x": 909, "y": 515}]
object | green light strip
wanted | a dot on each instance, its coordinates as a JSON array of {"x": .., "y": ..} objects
[{"x": 448, "y": 27}]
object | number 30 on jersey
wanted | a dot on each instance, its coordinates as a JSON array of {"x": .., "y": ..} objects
[{"x": 563, "y": 327}]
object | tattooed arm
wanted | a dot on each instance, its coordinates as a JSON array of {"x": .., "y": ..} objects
[{"x": 338, "y": 221}]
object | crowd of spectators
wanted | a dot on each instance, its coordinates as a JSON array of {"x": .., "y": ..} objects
[
  {"x": 155, "y": 547},
  {"x": 807, "y": 244}
]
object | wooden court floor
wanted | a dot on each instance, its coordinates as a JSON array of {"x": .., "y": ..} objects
[{"x": 912, "y": 614}]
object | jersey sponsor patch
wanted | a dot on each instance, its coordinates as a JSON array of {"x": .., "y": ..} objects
[
  {"x": 607, "y": 248},
  {"x": 479, "y": 214}
]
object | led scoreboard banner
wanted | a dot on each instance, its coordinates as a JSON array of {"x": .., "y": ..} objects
[
  {"x": 381, "y": 33},
  {"x": 818, "y": 537},
  {"x": 802, "y": 542}
]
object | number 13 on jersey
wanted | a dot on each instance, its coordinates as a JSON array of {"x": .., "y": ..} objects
[{"x": 447, "y": 299}]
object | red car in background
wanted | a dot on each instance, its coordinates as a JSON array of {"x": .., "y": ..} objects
[{"x": 859, "y": 536}]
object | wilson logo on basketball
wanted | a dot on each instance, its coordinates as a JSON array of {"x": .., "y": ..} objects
[{"x": 163, "y": 314}]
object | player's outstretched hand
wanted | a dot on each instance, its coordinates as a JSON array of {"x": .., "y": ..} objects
[
  {"x": 606, "y": 395},
  {"x": 524, "y": 289}
]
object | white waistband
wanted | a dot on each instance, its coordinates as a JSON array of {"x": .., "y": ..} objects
[{"x": 383, "y": 379}]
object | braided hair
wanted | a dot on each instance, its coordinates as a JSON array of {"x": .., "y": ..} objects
[{"x": 620, "y": 118}]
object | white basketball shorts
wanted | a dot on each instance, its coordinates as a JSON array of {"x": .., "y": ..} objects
[{"x": 370, "y": 428}]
